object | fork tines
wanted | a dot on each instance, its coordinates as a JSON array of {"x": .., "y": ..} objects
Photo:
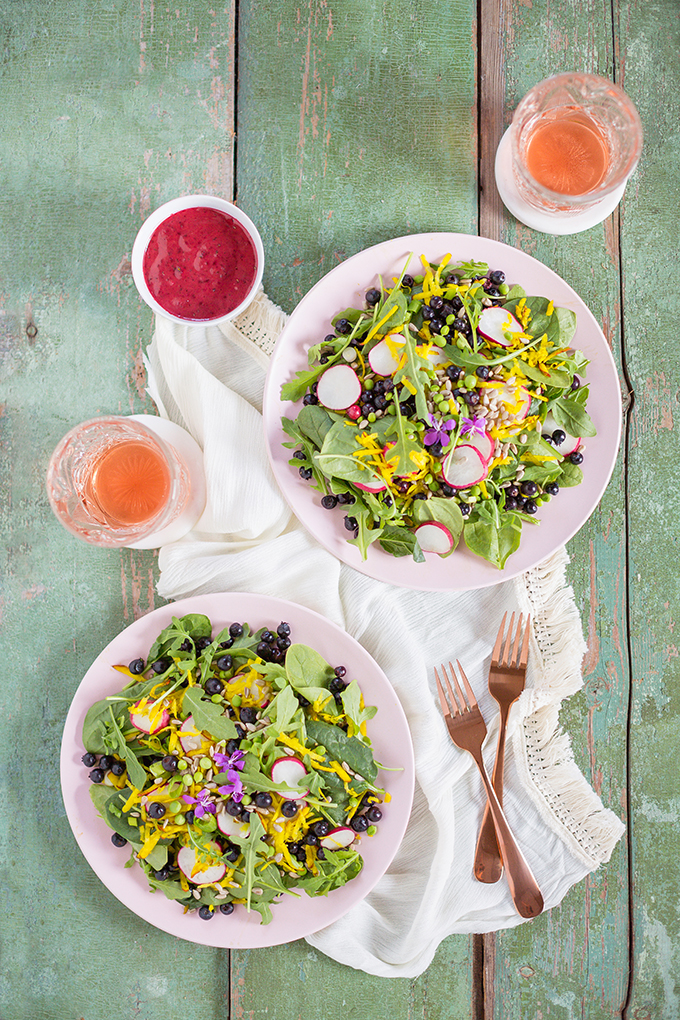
[
  {"x": 510, "y": 652},
  {"x": 456, "y": 705}
]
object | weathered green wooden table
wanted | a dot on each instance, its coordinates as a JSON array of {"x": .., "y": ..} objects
[{"x": 336, "y": 125}]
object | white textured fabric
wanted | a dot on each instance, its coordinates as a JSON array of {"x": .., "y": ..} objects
[{"x": 210, "y": 382}]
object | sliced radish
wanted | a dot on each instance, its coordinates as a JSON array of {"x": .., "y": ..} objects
[
  {"x": 434, "y": 537},
  {"x": 338, "y": 839},
  {"x": 186, "y": 862},
  {"x": 436, "y": 356},
  {"x": 494, "y": 322},
  {"x": 374, "y": 486},
  {"x": 148, "y": 720},
  {"x": 381, "y": 359},
  {"x": 516, "y": 396},
  {"x": 229, "y": 825},
  {"x": 189, "y": 737},
  {"x": 464, "y": 467},
  {"x": 569, "y": 445},
  {"x": 289, "y": 771},
  {"x": 484, "y": 443},
  {"x": 339, "y": 387}
]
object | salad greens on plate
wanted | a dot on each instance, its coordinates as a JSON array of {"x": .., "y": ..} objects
[
  {"x": 236, "y": 767},
  {"x": 448, "y": 408}
]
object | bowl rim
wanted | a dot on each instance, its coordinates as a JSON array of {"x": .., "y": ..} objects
[{"x": 154, "y": 220}]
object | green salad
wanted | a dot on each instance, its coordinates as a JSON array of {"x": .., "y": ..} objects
[
  {"x": 236, "y": 767},
  {"x": 452, "y": 405}
]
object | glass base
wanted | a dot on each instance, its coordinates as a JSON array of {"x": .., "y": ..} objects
[
  {"x": 192, "y": 455},
  {"x": 546, "y": 222}
]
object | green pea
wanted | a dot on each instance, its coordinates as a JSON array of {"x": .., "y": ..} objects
[
  {"x": 198, "y": 776},
  {"x": 461, "y": 344},
  {"x": 247, "y": 799},
  {"x": 475, "y": 490},
  {"x": 369, "y": 384},
  {"x": 236, "y": 700},
  {"x": 391, "y": 409},
  {"x": 450, "y": 319},
  {"x": 418, "y": 279},
  {"x": 205, "y": 763},
  {"x": 216, "y": 699},
  {"x": 440, "y": 340},
  {"x": 428, "y": 478},
  {"x": 470, "y": 382},
  {"x": 182, "y": 765},
  {"x": 371, "y": 416},
  {"x": 546, "y": 497},
  {"x": 179, "y": 819},
  {"x": 434, "y": 485},
  {"x": 443, "y": 406},
  {"x": 504, "y": 289},
  {"x": 371, "y": 830},
  {"x": 174, "y": 806},
  {"x": 390, "y": 395}
]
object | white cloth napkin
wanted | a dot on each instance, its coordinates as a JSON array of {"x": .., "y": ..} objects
[{"x": 210, "y": 382}]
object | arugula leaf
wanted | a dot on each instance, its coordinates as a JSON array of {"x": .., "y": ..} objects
[
  {"x": 136, "y": 771},
  {"x": 208, "y": 716},
  {"x": 413, "y": 371},
  {"x": 351, "y": 702},
  {"x": 339, "y": 867},
  {"x": 282, "y": 709},
  {"x": 406, "y": 447},
  {"x": 366, "y": 534}
]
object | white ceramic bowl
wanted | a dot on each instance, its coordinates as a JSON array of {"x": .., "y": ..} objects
[{"x": 169, "y": 209}]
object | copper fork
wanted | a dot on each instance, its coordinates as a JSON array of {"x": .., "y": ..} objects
[
  {"x": 467, "y": 730},
  {"x": 507, "y": 677}
]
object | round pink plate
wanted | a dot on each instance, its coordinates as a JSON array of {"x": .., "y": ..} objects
[
  {"x": 344, "y": 287},
  {"x": 294, "y": 916}
]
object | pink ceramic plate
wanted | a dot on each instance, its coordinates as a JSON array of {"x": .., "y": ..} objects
[
  {"x": 294, "y": 917},
  {"x": 345, "y": 287}
]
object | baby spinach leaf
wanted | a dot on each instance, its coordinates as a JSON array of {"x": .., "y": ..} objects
[
  {"x": 492, "y": 535},
  {"x": 306, "y": 668},
  {"x": 315, "y": 422},
  {"x": 399, "y": 541},
  {"x": 573, "y": 417},
  {"x": 570, "y": 474},
  {"x": 341, "y": 748},
  {"x": 542, "y": 473},
  {"x": 207, "y": 715}
]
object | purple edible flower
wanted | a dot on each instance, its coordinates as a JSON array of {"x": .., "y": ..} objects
[
  {"x": 234, "y": 786},
  {"x": 439, "y": 431},
  {"x": 229, "y": 761},
  {"x": 203, "y": 803},
  {"x": 475, "y": 424}
]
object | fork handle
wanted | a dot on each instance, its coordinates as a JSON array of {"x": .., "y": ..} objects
[
  {"x": 523, "y": 886},
  {"x": 488, "y": 866}
]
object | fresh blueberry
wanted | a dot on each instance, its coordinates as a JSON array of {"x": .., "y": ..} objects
[
  {"x": 236, "y": 630},
  {"x": 558, "y": 436},
  {"x": 206, "y": 913},
  {"x": 576, "y": 457},
  {"x": 97, "y": 775},
  {"x": 263, "y": 800},
  {"x": 289, "y": 808},
  {"x": 213, "y": 685},
  {"x": 226, "y": 908},
  {"x": 136, "y": 666},
  {"x": 160, "y": 665},
  {"x": 89, "y": 759},
  {"x": 118, "y": 768},
  {"x": 552, "y": 488},
  {"x": 374, "y": 814},
  {"x": 155, "y": 809},
  {"x": 225, "y": 662},
  {"x": 118, "y": 840},
  {"x": 372, "y": 296},
  {"x": 170, "y": 762},
  {"x": 359, "y": 823}
]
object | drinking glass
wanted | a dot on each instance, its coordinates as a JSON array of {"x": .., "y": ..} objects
[
  {"x": 575, "y": 139},
  {"x": 113, "y": 482}
]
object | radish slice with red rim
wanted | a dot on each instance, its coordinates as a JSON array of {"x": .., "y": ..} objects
[
  {"x": 338, "y": 388},
  {"x": 495, "y": 322},
  {"x": 189, "y": 737},
  {"x": 338, "y": 839},
  {"x": 289, "y": 771},
  {"x": 381, "y": 359},
  {"x": 149, "y": 722},
  {"x": 482, "y": 442},
  {"x": 434, "y": 537},
  {"x": 186, "y": 862},
  {"x": 464, "y": 467}
]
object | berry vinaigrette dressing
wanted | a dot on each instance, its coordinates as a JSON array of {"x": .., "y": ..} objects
[{"x": 200, "y": 264}]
